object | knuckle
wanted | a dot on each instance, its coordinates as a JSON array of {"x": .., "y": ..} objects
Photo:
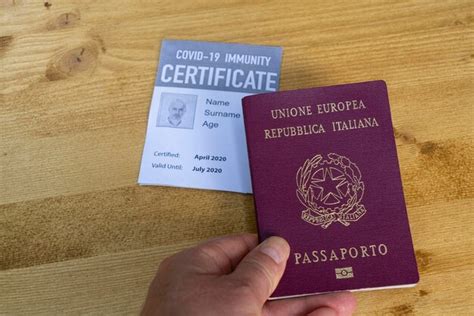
[
  {"x": 216, "y": 260},
  {"x": 201, "y": 252},
  {"x": 166, "y": 263}
]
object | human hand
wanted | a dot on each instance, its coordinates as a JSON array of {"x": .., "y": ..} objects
[{"x": 230, "y": 276}]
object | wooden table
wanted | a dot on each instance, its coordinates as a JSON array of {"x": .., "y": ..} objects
[{"x": 78, "y": 235}]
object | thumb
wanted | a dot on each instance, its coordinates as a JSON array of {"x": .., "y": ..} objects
[
  {"x": 323, "y": 311},
  {"x": 262, "y": 268}
]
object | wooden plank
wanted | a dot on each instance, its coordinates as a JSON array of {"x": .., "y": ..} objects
[
  {"x": 111, "y": 284},
  {"x": 76, "y": 79},
  {"x": 84, "y": 225}
]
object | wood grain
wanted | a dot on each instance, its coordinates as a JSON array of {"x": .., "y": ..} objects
[{"x": 78, "y": 235}]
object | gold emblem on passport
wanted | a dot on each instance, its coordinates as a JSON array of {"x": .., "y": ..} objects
[
  {"x": 331, "y": 189},
  {"x": 344, "y": 273}
]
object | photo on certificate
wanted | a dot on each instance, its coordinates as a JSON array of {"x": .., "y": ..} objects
[{"x": 176, "y": 110}]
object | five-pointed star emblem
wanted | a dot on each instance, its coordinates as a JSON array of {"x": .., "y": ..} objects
[{"x": 329, "y": 185}]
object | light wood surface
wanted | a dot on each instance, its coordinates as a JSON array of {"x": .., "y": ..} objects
[{"x": 78, "y": 235}]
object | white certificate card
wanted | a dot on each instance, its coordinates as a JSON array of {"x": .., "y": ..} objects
[{"x": 195, "y": 136}]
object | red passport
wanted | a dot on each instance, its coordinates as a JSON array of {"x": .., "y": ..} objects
[{"x": 325, "y": 177}]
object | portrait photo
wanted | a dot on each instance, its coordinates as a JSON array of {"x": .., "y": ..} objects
[{"x": 177, "y": 110}]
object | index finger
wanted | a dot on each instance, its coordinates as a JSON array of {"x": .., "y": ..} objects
[{"x": 220, "y": 255}]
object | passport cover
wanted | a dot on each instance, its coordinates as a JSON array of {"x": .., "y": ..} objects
[{"x": 325, "y": 177}]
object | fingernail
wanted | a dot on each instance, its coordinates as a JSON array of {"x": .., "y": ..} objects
[{"x": 276, "y": 248}]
